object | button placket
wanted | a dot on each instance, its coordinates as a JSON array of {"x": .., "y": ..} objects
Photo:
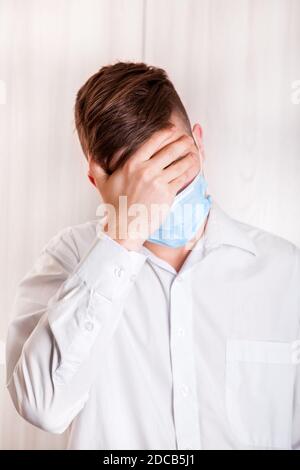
[
  {"x": 89, "y": 326},
  {"x": 119, "y": 271},
  {"x": 180, "y": 331},
  {"x": 184, "y": 390},
  {"x": 184, "y": 379}
]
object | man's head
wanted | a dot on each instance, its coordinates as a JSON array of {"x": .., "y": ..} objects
[{"x": 121, "y": 106}]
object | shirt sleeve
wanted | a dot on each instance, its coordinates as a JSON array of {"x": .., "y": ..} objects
[{"x": 65, "y": 313}]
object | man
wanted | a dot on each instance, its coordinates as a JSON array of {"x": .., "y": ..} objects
[{"x": 158, "y": 338}]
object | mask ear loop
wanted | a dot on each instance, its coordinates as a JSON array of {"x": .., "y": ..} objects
[
  {"x": 201, "y": 173},
  {"x": 202, "y": 166}
]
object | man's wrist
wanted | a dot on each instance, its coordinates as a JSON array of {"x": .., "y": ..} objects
[{"x": 131, "y": 243}]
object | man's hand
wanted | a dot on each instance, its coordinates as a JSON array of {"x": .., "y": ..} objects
[{"x": 159, "y": 169}]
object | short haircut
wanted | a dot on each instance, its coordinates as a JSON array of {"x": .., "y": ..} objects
[{"x": 121, "y": 106}]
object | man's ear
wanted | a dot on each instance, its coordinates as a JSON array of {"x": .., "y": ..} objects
[
  {"x": 89, "y": 174},
  {"x": 96, "y": 174},
  {"x": 198, "y": 137},
  {"x": 91, "y": 179}
]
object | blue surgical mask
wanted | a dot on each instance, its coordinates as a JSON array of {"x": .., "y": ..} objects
[{"x": 186, "y": 215}]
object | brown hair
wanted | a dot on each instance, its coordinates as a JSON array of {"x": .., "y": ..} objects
[{"x": 121, "y": 106}]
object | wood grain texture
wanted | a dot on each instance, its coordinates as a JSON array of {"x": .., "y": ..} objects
[{"x": 233, "y": 63}]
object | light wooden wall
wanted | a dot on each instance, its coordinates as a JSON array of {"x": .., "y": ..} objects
[{"x": 233, "y": 62}]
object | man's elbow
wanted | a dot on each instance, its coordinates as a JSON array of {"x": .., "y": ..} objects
[{"x": 45, "y": 419}]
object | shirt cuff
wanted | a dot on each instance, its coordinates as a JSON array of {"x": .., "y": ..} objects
[{"x": 108, "y": 267}]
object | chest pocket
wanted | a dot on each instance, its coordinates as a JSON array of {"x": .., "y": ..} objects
[{"x": 259, "y": 392}]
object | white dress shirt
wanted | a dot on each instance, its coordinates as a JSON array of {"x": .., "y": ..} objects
[{"x": 125, "y": 353}]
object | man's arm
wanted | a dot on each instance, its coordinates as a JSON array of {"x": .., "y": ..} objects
[
  {"x": 67, "y": 310},
  {"x": 65, "y": 313}
]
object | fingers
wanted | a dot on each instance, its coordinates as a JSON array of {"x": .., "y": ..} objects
[
  {"x": 153, "y": 144},
  {"x": 172, "y": 152},
  {"x": 189, "y": 162},
  {"x": 182, "y": 180}
]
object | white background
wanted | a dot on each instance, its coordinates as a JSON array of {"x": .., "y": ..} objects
[{"x": 233, "y": 62}]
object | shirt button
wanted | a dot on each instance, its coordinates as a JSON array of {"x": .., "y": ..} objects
[
  {"x": 133, "y": 277},
  {"x": 184, "y": 390},
  {"x": 180, "y": 331},
  {"x": 179, "y": 278},
  {"x": 119, "y": 272},
  {"x": 89, "y": 326}
]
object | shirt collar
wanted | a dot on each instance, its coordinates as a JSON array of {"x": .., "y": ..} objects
[{"x": 221, "y": 229}]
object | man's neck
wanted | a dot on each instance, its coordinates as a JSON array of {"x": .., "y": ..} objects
[{"x": 176, "y": 256}]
